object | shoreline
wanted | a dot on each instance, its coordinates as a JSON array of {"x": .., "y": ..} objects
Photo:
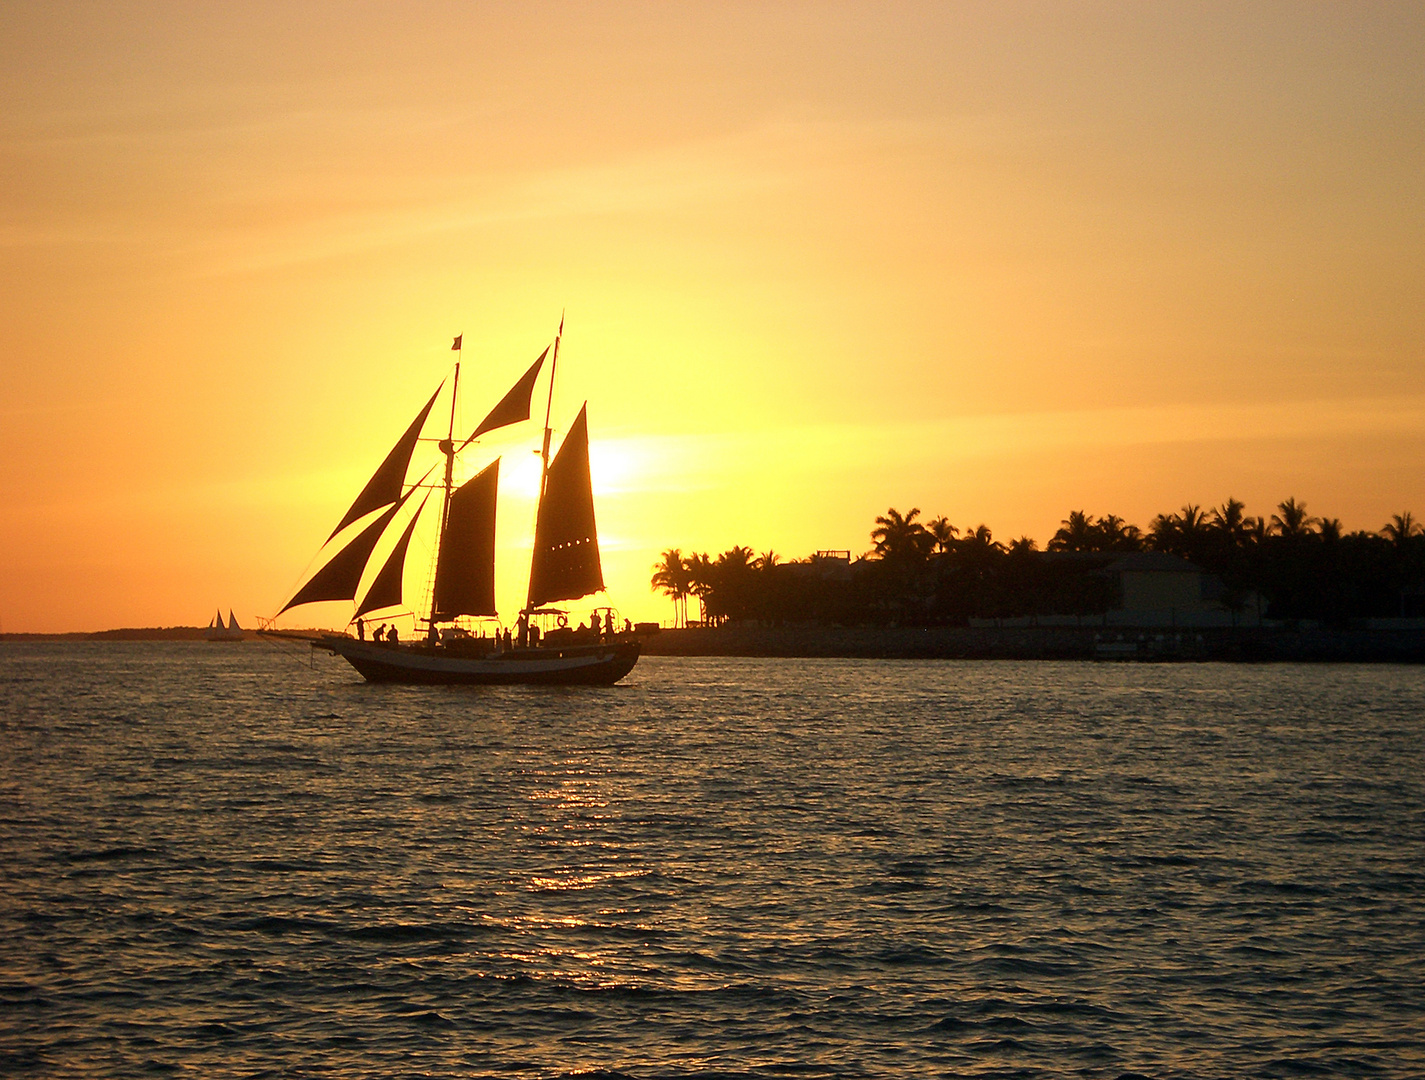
[
  {"x": 130, "y": 633},
  {"x": 810, "y": 641},
  {"x": 1400, "y": 646},
  {"x": 142, "y": 633}
]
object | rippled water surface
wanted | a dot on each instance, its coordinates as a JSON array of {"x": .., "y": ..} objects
[{"x": 224, "y": 861}]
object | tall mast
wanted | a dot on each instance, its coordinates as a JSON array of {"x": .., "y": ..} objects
[
  {"x": 447, "y": 447},
  {"x": 548, "y": 432},
  {"x": 548, "y": 411}
]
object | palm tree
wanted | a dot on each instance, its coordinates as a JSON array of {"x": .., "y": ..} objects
[
  {"x": 901, "y": 539},
  {"x": 672, "y": 575},
  {"x": 700, "y": 581},
  {"x": 767, "y": 560},
  {"x": 1228, "y": 520},
  {"x": 1075, "y": 533},
  {"x": 1115, "y": 534},
  {"x": 1192, "y": 520},
  {"x": 1185, "y": 533},
  {"x": 1401, "y": 528},
  {"x": 1293, "y": 521},
  {"x": 735, "y": 558},
  {"x": 943, "y": 532},
  {"x": 980, "y": 541},
  {"x": 733, "y": 587}
]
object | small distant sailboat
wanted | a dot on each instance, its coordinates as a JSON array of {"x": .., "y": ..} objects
[
  {"x": 218, "y": 631},
  {"x": 564, "y": 565}
]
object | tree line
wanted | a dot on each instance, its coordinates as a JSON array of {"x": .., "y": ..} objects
[{"x": 1293, "y": 564}]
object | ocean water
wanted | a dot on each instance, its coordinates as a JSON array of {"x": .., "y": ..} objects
[{"x": 228, "y": 861}]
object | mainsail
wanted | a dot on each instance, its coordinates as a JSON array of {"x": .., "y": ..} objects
[
  {"x": 465, "y": 566},
  {"x": 385, "y": 487},
  {"x": 566, "y": 544}
]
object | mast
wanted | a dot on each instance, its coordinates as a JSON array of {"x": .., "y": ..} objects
[
  {"x": 548, "y": 432},
  {"x": 447, "y": 447},
  {"x": 465, "y": 542}
]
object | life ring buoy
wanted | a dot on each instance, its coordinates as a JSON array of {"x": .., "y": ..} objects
[{"x": 562, "y": 621}]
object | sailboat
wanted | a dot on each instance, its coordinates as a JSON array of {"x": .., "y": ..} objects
[
  {"x": 220, "y": 631},
  {"x": 564, "y": 564}
]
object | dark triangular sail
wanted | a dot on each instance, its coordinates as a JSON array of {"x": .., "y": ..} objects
[
  {"x": 513, "y": 407},
  {"x": 465, "y": 567},
  {"x": 339, "y": 578},
  {"x": 385, "y": 591},
  {"x": 385, "y": 487},
  {"x": 566, "y": 544}
]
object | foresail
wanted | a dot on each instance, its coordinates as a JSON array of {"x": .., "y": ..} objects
[
  {"x": 465, "y": 567},
  {"x": 339, "y": 578},
  {"x": 514, "y": 406},
  {"x": 566, "y": 565},
  {"x": 385, "y": 487},
  {"x": 385, "y": 591},
  {"x": 232, "y": 621}
]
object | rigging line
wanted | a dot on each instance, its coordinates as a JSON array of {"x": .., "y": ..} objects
[{"x": 287, "y": 649}]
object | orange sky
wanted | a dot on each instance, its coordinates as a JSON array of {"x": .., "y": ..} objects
[{"x": 997, "y": 261}]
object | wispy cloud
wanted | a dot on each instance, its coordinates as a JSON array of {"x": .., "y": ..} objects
[{"x": 693, "y": 462}]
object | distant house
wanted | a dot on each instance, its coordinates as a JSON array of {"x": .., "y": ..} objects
[
  {"x": 1157, "y": 589},
  {"x": 1148, "y": 589},
  {"x": 1154, "y": 581}
]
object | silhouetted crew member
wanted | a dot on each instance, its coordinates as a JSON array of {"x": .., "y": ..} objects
[
  {"x": 360, "y": 629},
  {"x": 380, "y": 634},
  {"x": 391, "y": 636}
]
